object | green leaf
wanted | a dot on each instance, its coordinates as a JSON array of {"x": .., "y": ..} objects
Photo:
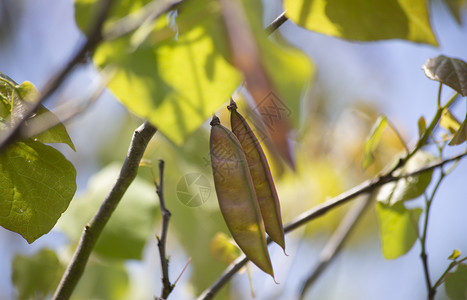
[
  {"x": 373, "y": 140},
  {"x": 37, "y": 184},
  {"x": 449, "y": 71},
  {"x": 223, "y": 248},
  {"x": 37, "y": 276},
  {"x": 410, "y": 187},
  {"x": 176, "y": 80},
  {"x": 455, "y": 284},
  {"x": 56, "y": 134},
  {"x": 86, "y": 12},
  {"x": 103, "y": 281},
  {"x": 398, "y": 228},
  {"x": 132, "y": 223},
  {"x": 421, "y": 126},
  {"x": 461, "y": 134},
  {"x": 364, "y": 20},
  {"x": 457, "y": 7},
  {"x": 454, "y": 255},
  {"x": 15, "y": 99},
  {"x": 449, "y": 122}
]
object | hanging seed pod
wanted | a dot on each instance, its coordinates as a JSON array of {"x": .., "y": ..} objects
[
  {"x": 262, "y": 179},
  {"x": 237, "y": 197}
]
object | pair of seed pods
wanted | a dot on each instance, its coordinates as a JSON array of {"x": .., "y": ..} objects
[{"x": 245, "y": 189}]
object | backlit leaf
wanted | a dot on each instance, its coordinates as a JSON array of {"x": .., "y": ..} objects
[
  {"x": 410, "y": 187},
  {"x": 449, "y": 122},
  {"x": 223, "y": 248},
  {"x": 36, "y": 276},
  {"x": 421, "y": 126},
  {"x": 449, "y": 71},
  {"x": 18, "y": 97},
  {"x": 36, "y": 185},
  {"x": 364, "y": 20},
  {"x": 457, "y": 7},
  {"x": 454, "y": 255},
  {"x": 461, "y": 134},
  {"x": 455, "y": 284},
  {"x": 177, "y": 77},
  {"x": 132, "y": 223},
  {"x": 398, "y": 228},
  {"x": 373, "y": 140},
  {"x": 103, "y": 281}
]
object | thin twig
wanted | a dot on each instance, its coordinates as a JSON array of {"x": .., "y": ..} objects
[
  {"x": 167, "y": 287},
  {"x": 94, "y": 38},
  {"x": 276, "y": 23},
  {"x": 365, "y": 187},
  {"x": 92, "y": 231},
  {"x": 423, "y": 253},
  {"x": 336, "y": 242},
  {"x": 446, "y": 272}
]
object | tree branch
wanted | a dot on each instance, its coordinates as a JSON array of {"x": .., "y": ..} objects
[
  {"x": 167, "y": 287},
  {"x": 94, "y": 38},
  {"x": 365, "y": 187},
  {"x": 336, "y": 242},
  {"x": 92, "y": 231}
]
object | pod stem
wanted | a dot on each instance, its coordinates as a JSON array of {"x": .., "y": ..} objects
[
  {"x": 232, "y": 105},
  {"x": 215, "y": 120}
]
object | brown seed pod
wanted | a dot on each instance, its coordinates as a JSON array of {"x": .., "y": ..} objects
[
  {"x": 260, "y": 173},
  {"x": 237, "y": 197}
]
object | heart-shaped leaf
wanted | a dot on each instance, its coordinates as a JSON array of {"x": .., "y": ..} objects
[
  {"x": 36, "y": 185},
  {"x": 398, "y": 228},
  {"x": 449, "y": 71}
]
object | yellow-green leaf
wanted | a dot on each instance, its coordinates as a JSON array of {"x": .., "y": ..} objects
[
  {"x": 454, "y": 255},
  {"x": 364, "y": 20},
  {"x": 177, "y": 77},
  {"x": 421, "y": 126},
  {"x": 223, "y": 248},
  {"x": 373, "y": 139},
  {"x": 449, "y": 122},
  {"x": 398, "y": 228},
  {"x": 410, "y": 187}
]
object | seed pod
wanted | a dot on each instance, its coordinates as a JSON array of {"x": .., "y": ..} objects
[
  {"x": 262, "y": 179},
  {"x": 237, "y": 197}
]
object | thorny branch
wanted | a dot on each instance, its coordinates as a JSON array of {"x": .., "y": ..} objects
[
  {"x": 167, "y": 287},
  {"x": 366, "y": 187}
]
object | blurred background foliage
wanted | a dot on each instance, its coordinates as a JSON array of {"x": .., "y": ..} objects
[{"x": 332, "y": 122}]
